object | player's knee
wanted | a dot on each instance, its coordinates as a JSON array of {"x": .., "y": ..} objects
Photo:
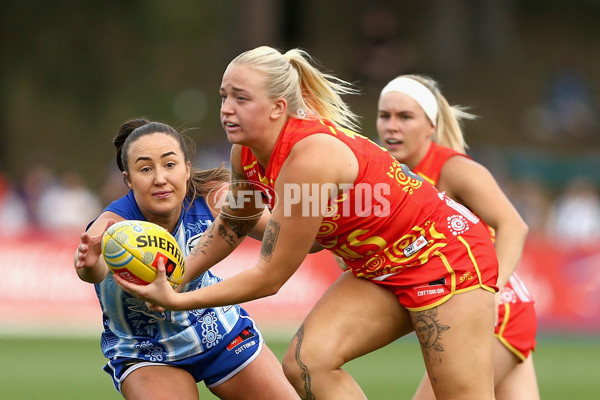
[
  {"x": 304, "y": 366},
  {"x": 301, "y": 366},
  {"x": 291, "y": 369}
]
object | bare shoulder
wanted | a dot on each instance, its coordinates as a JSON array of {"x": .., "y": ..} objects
[
  {"x": 236, "y": 150},
  {"x": 326, "y": 156},
  {"x": 236, "y": 159},
  {"x": 463, "y": 178},
  {"x": 459, "y": 167}
]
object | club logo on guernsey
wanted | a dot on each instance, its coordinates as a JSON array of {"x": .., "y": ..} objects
[{"x": 161, "y": 243}]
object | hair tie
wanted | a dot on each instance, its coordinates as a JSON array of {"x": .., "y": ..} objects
[{"x": 419, "y": 92}]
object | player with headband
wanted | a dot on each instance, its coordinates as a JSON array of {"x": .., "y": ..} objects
[{"x": 419, "y": 128}]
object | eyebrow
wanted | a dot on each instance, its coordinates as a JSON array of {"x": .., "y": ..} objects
[
  {"x": 233, "y": 89},
  {"x": 143, "y": 158}
]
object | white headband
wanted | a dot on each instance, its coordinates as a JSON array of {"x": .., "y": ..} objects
[{"x": 419, "y": 92}]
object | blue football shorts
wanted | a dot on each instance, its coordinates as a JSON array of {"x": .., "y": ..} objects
[{"x": 213, "y": 366}]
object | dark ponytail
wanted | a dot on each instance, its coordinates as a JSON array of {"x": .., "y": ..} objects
[{"x": 122, "y": 135}]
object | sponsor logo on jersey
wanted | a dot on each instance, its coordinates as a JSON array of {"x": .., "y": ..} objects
[
  {"x": 415, "y": 246},
  {"x": 243, "y": 341},
  {"x": 432, "y": 288}
]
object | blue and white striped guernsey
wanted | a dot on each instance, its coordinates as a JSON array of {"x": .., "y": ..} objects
[{"x": 131, "y": 330}]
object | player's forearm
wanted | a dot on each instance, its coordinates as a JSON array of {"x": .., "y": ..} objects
[
  {"x": 250, "y": 284},
  {"x": 284, "y": 247},
  {"x": 94, "y": 276},
  {"x": 509, "y": 248},
  {"x": 91, "y": 274},
  {"x": 219, "y": 240}
]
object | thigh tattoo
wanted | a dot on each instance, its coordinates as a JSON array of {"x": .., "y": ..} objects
[{"x": 429, "y": 331}]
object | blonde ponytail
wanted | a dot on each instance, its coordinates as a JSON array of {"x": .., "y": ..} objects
[{"x": 307, "y": 90}]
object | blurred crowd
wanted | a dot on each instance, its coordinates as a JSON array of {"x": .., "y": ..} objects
[
  {"x": 47, "y": 201},
  {"x": 570, "y": 217}
]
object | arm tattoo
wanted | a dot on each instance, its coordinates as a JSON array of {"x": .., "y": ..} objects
[
  {"x": 429, "y": 331},
  {"x": 240, "y": 227},
  {"x": 238, "y": 179},
  {"x": 204, "y": 241},
  {"x": 222, "y": 232},
  {"x": 269, "y": 240},
  {"x": 303, "y": 367}
]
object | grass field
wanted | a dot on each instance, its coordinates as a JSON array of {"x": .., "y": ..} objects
[{"x": 70, "y": 368}]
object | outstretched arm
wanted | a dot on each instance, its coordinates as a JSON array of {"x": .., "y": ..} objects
[{"x": 88, "y": 261}]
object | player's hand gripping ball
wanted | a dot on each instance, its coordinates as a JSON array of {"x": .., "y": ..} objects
[{"x": 132, "y": 249}]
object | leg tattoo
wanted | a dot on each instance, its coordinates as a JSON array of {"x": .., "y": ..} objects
[
  {"x": 429, "y": 331},
  {"x": 303, "y": 367}
]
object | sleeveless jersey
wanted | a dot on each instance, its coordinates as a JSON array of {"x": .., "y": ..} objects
[
  {"x": 131, "y": 330},
  {"x": 430, "y": 169},
  {"x": 390, "y": 219}
]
